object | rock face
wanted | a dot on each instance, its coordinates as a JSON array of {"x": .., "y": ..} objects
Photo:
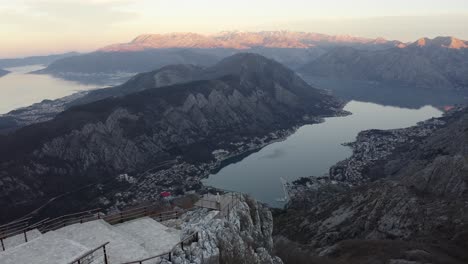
[
  {"x": 406, "y": 187},
  {"x": 430, "y": 64},
  {"x": 243, "y": 236},
  {"x": 245, "y": 97}
]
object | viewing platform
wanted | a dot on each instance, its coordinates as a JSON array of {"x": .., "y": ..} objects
[{"x": 137, "y": 235}]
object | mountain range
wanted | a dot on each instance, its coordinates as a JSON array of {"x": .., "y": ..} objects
[
  {"x": 179, "y": 114},
  {"x": 246, "y": 40},
  {"x": 439, "y": 63},
  {"x": 148, "y": 52}
]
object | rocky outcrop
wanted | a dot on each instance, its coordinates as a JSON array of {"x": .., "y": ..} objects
[
  {"x": 406, "y": 186},
  {"x": 245, "y": 98},
  {"x": 243, "y": 236}
]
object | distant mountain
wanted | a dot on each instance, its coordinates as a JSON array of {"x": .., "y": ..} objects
[
  {"x": 147, "y": 52},
  {"x": 244, "y": 40},
  {"x": 440, "y": 63},
  {"x": 3, "y": 72},
  {"x": 441, "y": 42},
  {"x": 100, "y": 67},
  {"x": 44, "y": 60},
  {"x": 401, "y": 198},
  {"x": 243, "y": 98},
  {"x": 108, "y": 62},
  {"x": 48, "y": 109}
]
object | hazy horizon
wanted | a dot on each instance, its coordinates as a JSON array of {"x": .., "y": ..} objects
[{"x": 40, "y": 27}]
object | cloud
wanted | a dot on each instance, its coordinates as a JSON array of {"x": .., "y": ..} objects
[
  {"x": 46, "y": 15},
  {"x": 28, "y": 27},
  {"x": 40, "y": 25},
  {"x": 404, "y": 28}
]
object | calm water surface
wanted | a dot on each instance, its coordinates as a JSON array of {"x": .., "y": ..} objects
[
  {"x": 311, "y": 150},
  {"x": 19, "y": 89}
]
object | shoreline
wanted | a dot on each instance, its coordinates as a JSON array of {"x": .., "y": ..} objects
[{"x": 370, "y": 147}]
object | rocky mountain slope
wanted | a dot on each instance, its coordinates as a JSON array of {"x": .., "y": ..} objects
[
  {"x": 244, "y": 98},
  {"x": 440, "y": 63},
  {"x": 167, "y": 75},
  {"x": 401, "y": 198},
  {"x": 48, "y": 109}
]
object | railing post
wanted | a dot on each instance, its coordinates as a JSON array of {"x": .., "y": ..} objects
[
  {"x": 3, "y": 245},
  {"x": 25, "y": 236},
  {"x": 105, "y": 254},
  {"x": 170, "y": 253},
  {"x": 121, "y": 218}
]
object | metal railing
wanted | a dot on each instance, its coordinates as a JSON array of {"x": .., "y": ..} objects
[
  {"x": 145, "y": 211},
  {"x": 14, "y": 223},
  {"x": 16, "y": 228},
  {"x": 23, "y": 226},
  {"x": 168, "y": 255},
  {"x": 98, "y": 255},
  {"x": 12, "y": 229},
  {"x": 70, "y": 219},
  {"x": 210, "y": 204},
  {"x": 223, "y": 209}
]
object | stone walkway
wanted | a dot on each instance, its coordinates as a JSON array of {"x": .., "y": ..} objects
[{"x": 129, "y": 241}]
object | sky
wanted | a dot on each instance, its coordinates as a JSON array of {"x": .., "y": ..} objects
[{"x": 35, "y": 27}]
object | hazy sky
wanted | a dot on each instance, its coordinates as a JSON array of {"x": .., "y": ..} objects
[{"x": 30, "y": 27}]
